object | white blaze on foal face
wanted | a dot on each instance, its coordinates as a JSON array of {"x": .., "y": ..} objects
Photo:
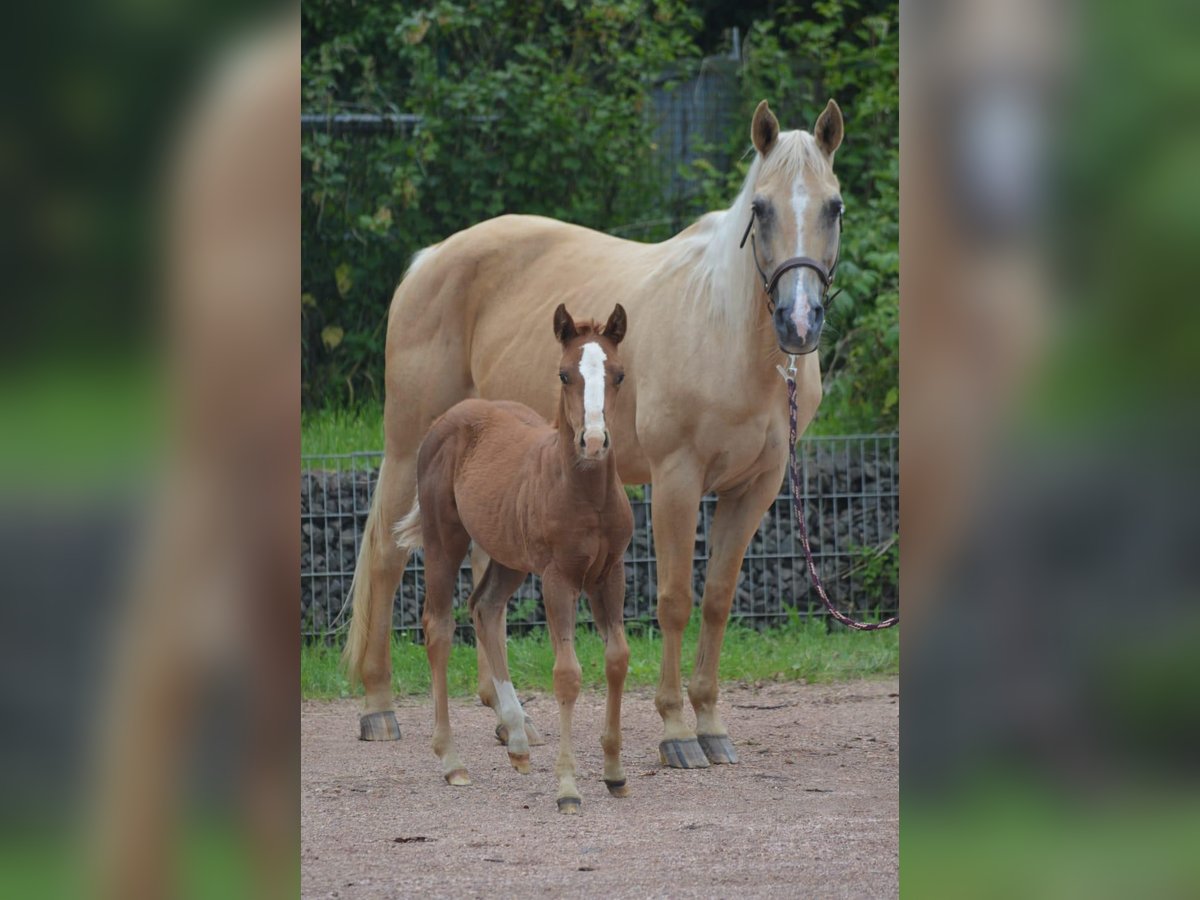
[{"x": 591, "y": 367}]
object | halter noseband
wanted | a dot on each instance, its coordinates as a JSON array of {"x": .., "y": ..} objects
[{"x": 770, "y": 283}]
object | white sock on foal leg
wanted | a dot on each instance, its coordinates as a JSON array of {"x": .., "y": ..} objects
[{"x": 512, "y": 715}]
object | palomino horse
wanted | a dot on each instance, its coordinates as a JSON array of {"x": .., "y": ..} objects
[
  {"x": 703, "y": 408},
  {"x": 539, "y": 499}
]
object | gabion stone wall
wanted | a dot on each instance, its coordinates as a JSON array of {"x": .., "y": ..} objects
[{"x": 852, "y": 509}]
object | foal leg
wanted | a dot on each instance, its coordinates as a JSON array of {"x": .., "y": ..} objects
[
  {"x": 442, "y": 558},
  {"x": 608, "y": 607},
  {"x": 734, "y": 523},
  {"x": 488, "y": 604},
  {"x": 677, "y": 493},
  {"x": 487, "y": 684},
  {"x": 560, "y": 596}
]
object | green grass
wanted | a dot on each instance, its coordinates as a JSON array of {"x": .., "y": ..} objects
[
  {"x": 326, "y": 431},
  {"x": 797, "y": 650}
]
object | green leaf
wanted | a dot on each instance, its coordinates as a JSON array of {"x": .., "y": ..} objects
[{"x": 345, "y": 280}]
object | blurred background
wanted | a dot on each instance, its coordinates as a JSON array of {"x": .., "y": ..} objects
[
  {"x": 1049, "y": 374},
  {"x": 148, "y": 408}
]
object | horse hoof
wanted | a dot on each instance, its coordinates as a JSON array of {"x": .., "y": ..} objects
[
  {"x": 569, "y": 806},
  {"x": 534, "y": 736},
  {"x": 718, "y": 748},
  {"x": 520, "y": 762},
  {"x": 379, "y": 726},
  {"x": 682, "y": 754},
  {"x": 458, "y": 778},
  {"x": 617, "y": 788}
]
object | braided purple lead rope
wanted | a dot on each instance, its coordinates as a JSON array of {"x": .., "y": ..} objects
[{"x": 794, "y": 468}]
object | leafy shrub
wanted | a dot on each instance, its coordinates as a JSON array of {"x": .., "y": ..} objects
[{"x": 523, "y": 107}]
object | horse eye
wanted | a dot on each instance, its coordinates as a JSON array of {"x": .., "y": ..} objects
[
  {"x": 620, "y": 376},
  {"x": 562, "y": 376}
]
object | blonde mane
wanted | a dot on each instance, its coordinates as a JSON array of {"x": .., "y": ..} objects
[{"x": 720, "y": 275}]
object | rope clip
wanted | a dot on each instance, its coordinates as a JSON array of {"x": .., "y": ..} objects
[{"x": 788, "y": 374}]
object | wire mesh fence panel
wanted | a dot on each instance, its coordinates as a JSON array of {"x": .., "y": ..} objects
[{"x": 852, "y": 510}]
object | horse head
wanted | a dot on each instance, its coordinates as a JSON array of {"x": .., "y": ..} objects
[
  {"x": 591, "y": 374},
  {"x": 795, "y": 222}
]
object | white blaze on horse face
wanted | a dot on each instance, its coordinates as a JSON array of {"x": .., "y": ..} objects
[
  {"x": 800, "y": 308},
  {"x": 591, "y": 367}
]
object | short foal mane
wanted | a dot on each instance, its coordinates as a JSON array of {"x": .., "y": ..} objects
[
  {"x": 586, "y": 327},
  {"x": 720, "y": 275}
]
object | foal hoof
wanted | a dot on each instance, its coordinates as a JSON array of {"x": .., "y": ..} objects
[
  {"x": 379, "y": 726},
  {"x": 534, "y": 736},
  {"x": 458, "y": 778},
  {"x": 617, "y": 788},
  {"x": 569, "y": 806},
  {"x": 682, "y": 754},
  {"x": 718, "y": 748},
  {"x": 520, "y": 762}
]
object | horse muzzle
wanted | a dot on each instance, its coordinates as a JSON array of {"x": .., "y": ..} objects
[
  {"x": 594, "y": 444},
  {"x": 803, "y": 338}
]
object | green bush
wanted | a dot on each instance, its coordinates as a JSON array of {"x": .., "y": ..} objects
[
  {"x": 544, "y": 107},
  {"x": 525, "y": 107}
]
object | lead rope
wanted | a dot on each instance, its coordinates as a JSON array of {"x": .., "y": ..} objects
[{"x": 789, "y": 375}]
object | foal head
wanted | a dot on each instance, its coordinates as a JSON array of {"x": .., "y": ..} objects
[
  {"x": 796, "y": 211},
  {"x": 591, "y": 374}
]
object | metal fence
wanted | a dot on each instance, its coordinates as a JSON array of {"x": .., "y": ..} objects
[{"x": 852, "y": 508}]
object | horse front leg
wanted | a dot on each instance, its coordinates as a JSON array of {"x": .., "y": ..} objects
[
  {"x": 609, "y": 609},
  {"x": 676, "y": 504},
  {"x": 560, "y": 598},
  {"x": 736, "y": 519}
]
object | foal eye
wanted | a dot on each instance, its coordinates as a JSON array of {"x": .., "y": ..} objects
[
  {"x": 618, "y": 378},
  {"x": 562, "y": 376}
]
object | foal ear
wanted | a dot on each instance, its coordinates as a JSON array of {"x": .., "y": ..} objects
[
  {"x": 564, "y": 325},
  {"x": 764, "y": 129},
  {"x": 829, "y": 130},
  {"x": 615, "y": 329}
]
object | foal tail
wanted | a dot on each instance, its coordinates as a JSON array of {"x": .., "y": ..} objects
[{"x": 407, "y": 532}]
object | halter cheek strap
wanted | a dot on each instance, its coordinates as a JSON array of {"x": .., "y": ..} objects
[{"x": 771, "y": 282}]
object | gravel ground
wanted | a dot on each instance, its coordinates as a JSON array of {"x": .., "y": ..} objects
[{"x": 811, "y": 811}]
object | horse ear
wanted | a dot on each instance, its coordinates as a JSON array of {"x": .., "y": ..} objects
[
  {"x": 829, "y": 129},
  {"x": 615, "y": 329},
  {"x": 564, "y": 325},
  {"x": 764, "y": 129}
]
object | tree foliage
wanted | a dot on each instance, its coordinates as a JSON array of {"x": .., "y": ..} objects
[{"x": 544, "y": 107}]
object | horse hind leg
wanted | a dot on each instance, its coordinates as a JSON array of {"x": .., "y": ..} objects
[
  {"x": 488, "y": 604},
  {"x": 378, "y": 571},
  {"x": 442, "y": 559},
  {"x": 487, "y": 685}
]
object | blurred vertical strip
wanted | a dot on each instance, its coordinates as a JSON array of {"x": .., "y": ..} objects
[
  {"x": 149, "y": 414},
  {"x": 1051, "y": 204}
]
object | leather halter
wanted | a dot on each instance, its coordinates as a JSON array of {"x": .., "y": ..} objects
[{"x": 771, "y": 282}]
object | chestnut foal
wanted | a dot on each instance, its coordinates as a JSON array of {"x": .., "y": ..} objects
[{"x": 536, "y": 498}]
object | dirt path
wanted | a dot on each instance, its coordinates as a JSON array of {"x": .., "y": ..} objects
[{"x": 811, "y": 811}]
